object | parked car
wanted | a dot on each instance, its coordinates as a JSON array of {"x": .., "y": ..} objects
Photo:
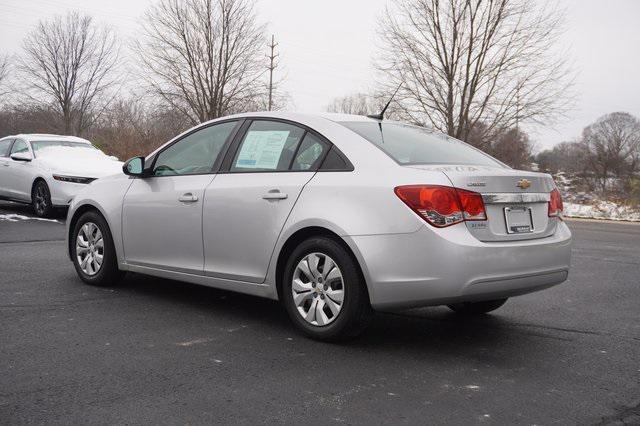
[
  {"x": 47, "y": 171},
  {"x": 334, "y": 215}
]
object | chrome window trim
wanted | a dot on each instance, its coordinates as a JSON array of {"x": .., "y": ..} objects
[{"x": 531, "y": 197}]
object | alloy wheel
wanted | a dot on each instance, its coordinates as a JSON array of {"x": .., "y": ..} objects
[
  {"x": 42, "y": 202},
  {"x": 318, "y": 289},
  {"x": 90, "y": 248}
]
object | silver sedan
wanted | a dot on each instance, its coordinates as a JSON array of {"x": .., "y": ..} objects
[{"x": 336, "y": 216}]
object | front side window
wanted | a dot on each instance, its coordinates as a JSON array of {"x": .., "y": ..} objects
[
  {"x": 20, "y": 147},
  {"x": 417, "y": 145},
  {"x": 267, "y": 146},
  {"x": 5, "y": 146},
  {"x": 195, "y": 153}
]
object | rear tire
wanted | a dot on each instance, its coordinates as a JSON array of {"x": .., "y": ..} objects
[
  {"x": 93, "y": 251},
  {"x": 41, "y": 199},
  {"x": 332, "y": 304},
  {"x": 477, "y": 308}
]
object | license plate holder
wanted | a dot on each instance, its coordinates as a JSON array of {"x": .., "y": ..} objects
[{"x": 519, "y": 220}]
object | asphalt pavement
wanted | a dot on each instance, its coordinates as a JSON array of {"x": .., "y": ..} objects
[{"x": 159, "y": 351}]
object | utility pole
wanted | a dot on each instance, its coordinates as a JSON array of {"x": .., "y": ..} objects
[{"x": 272, "y": 66}]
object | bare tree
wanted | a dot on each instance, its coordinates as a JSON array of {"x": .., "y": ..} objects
[
  {"x": 568, "y": 157},
  {"x": 4, "y": 71},
  {"x": 613, "y": 147},
  {"x": 513, "y": 147},
  {"x": 465, "y": 62},
  {"x": 203, "y": 57},
  {"x": 136, "y": 126},
  {"x": 356, "y": 103},
  {"x": 70, "y": 62}
]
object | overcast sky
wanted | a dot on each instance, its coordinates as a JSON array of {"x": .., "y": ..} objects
[{"x": 327, "y": 46}]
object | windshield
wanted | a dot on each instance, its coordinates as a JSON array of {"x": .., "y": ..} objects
[
  {"x": 417, "y": 145},
  {"x": 39, "y": 145}
]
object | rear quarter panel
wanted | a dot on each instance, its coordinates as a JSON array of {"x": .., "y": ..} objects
[{"x": 356, "y": 203}]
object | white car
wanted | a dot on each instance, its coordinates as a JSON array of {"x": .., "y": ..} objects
[
  {"x": 330, "y": 214},
  {"x": 47, "y": 171}
]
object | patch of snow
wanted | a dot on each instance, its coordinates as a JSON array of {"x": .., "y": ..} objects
[
  {"x": 85, "y": 162},
  {"x": 13, "y": 217},
  {"x": 601, "y": 210}
]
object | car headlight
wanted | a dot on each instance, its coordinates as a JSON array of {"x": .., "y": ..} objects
[{"x": 73, "y": 179}]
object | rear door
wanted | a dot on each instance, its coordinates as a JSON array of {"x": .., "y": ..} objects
[{"x": 246, "y": 207}]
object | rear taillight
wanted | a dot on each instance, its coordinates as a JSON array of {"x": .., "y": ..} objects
[
  {"x": 442, "y": 205},
  {"x": 555, "y": 204}
]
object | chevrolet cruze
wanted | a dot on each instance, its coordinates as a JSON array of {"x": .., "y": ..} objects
[{"x": 336, "y": 216}]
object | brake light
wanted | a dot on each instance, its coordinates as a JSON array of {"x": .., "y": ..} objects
[
  {"x": 442, "y": 205},
  {"x": 555, "y": 204}
]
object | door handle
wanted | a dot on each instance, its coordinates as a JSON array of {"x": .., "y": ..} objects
[
  {"x": 274, "y": 194},
  {"x": 5, "y": 164},
  {"x": 187, "y": 198}
]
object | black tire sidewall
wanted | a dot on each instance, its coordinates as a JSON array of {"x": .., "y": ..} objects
[
  {"x": 49, "y": 207},
  {"x": 355, "y": 310},
  {"x": 108, "y": 273}
]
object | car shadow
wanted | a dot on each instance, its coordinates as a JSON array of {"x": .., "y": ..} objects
[
  {"x": 434, "y": 330},
  {"x": 59, "y": 213}
]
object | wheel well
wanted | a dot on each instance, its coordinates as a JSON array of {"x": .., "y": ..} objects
[
  {"x": 76, "y": 215},
  {"x": 299, "y": 236}
]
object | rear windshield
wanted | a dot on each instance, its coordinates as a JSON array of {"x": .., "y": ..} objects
[{"x": 417, "y": 145}]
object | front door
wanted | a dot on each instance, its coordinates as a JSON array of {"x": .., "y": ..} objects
[
  {"x": 162, "y": 213},
  {"x": 20, "y": 173},
  {"x": 5, "y": 146},
  {"x": 246, "y": 207}
]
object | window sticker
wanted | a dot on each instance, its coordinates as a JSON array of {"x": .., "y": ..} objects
[{"x": 262, "y": 149}]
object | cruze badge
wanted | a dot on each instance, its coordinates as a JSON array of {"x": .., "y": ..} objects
[{"x": 523, "y": 184}]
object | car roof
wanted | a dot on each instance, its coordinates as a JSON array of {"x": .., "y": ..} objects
[
  {"x": 47, "y": 137},
  {"x": 301, "y": 116}
]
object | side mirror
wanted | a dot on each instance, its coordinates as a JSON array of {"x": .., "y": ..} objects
[
  {"x": 21, "y": 156},
  {"x": 134, "y": 167}
]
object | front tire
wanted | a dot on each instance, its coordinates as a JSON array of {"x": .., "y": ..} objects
[
  {"x": 323, "y": 291},
  {"x": 93, "y": 251},
  {"x": 477, "y": 308},
  {"x": 41, "y": 199}
]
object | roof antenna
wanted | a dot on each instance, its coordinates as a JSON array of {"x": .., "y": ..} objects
[{"x": 381, "y": 115}]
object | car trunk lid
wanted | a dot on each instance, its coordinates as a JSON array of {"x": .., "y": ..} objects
[{"x": 516, "y": 201}]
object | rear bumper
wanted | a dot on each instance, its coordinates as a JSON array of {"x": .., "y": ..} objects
[{"x": 441, "y": 266}]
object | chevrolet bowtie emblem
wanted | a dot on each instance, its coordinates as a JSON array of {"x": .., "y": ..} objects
[{"x": 523, "y": 184}]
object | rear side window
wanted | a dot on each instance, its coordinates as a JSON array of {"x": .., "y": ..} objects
[
  {"x": 416, "y": 145},
  {"x": 309, "y": 154},
  {"x": 334, "y": 161},
  {"x": 267, "y": 146},
  {"x": 5, "y": 146}
]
